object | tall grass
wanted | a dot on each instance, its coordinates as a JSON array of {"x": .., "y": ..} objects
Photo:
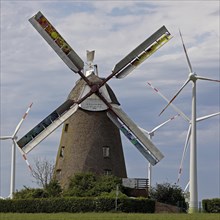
[{"x": 107, "y": 216}]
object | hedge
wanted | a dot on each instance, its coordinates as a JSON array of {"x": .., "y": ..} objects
[
  {"x": 211, "y": 205},
  {"x": 54, "y": 205}
]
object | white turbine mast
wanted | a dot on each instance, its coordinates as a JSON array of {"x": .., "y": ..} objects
[
  {"x": 150, "y": 134},
  {"x": 14, "y": 138},
  {"x": 193, "y": 186}
]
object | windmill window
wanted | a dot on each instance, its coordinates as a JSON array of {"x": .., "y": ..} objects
[
  {"x": 66, "y": 127},
  {"x": 62, "y": 151},
  {"x": 106, "y": 151},
  {"x": 107, "y": 172}
]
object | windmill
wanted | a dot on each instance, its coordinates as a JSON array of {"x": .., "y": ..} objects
[
  {"x": 193, "y": 186},
  {"x": 14, "y": 137},
  {"x": 93, "y": 99},
  {"x": 187, "y": 119},
  {"x": 150, "y": 134}
]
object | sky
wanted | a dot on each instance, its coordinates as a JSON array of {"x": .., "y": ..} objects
[{"x": 32, "y": 72}]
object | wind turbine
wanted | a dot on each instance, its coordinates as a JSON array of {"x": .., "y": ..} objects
[
  {"x": 193, "y": 187},
  {"x": 150, "y": 134},
  {"x": 186, "y": 118},
  {"x": 14, "y": 138}
]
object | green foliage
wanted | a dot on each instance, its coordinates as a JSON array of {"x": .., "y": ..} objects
[
  {"x": 73, "y": 204},
  {"x": 211, "y": 205},
  {"x": 169, "y": 194},
  {"x": 53, "y": 189},
  {"x": 90, "y": 185},
  {"x": 105, "y": 204},
  {"x": 106, "y": 184},
  {"x": 30, "y": 193},
  {"x": 112, "y": 195},
  {"x": 81, "y": 185}
]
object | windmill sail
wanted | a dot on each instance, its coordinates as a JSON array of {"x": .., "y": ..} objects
[
  {"x": 142, "y": 52},
  {"x": 132, "y": 139},
  {"x": 47, "y": 126},
  {"x": 144, "y": 145},
  {"x": 56, "y": 41}
]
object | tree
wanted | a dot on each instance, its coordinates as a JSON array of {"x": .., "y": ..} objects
[
  {"x": 42, "y": 172},
  {"x": 169, "y": 194}
]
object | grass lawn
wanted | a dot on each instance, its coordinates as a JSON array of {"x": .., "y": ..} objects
[{"x": 107, "y": 216}]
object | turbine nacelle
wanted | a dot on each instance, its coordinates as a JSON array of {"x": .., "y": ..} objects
[{"x": 193, "y": 76}]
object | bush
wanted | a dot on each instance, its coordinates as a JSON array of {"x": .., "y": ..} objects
[
  {"x": 169, "y": 194},
  {"x": 104, "y": 204},
  {"x": 112, "y": 195},
  {"x": 106, "y": 183},
  {"x": 31, "y": 193},
  {"x": 53, "y": 189},
  {"x": 139, "y": 205},
  {"x": 90, "y": 185},
  {"x": 81, "y": 185},
  {"x": 54, "y": 205},
  {"x": 211, "y": 205}
]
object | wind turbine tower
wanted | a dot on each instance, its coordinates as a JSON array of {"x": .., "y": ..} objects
[{"x": 193, "y": 187}]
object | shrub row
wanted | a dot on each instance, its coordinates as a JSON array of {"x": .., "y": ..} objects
[
  {"x": 211, "y": 205},
  {"x": 53, "y": 205}
]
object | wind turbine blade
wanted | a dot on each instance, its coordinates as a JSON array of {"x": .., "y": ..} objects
[
  {"x": 206, "y": 117},
  {"x": 187, "y": 57},
  {"x": 187, "y": 185},
  {"x": 140, "y": 136},
  {"x": 208, "y": 79},
  {"x": 47, "y": 126},
  {"x": 167, "y": 100},
  {"x": 6, "y": 137},
  {"x": 159, "y": 126},
  {"x": 186, "y": 82},
  {"x": 24, "y": 156},
  {"x": 23, "y": 118},
  {"x": 184, "y": 153}
]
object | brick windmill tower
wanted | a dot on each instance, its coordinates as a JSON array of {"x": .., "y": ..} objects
[
  {"x": 90, "y": 141},
  {"x": 91, "y": 115}
]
